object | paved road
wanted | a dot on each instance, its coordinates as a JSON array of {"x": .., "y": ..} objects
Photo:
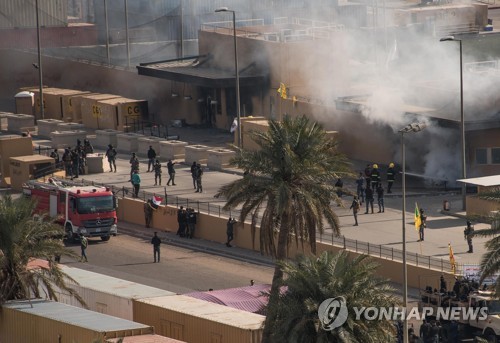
[{"x": 181, "y": 270}]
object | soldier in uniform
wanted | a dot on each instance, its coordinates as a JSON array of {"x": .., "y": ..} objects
[
  {"x": 468, "y": 233},
  {"x": 390, "y": 177}
]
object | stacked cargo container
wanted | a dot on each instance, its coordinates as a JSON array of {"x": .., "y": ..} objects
[{"x": 49, "y": 321}]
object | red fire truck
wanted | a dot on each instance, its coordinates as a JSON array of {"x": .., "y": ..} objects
[{"x": 87, "y": 210}]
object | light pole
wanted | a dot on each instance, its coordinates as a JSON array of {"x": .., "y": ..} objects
[
  {"x": 238, "y": 113},
  {"x": 42, "y": 112},
  {"x": 414, "y": 127},
  {"x": 462, "y": 120}
]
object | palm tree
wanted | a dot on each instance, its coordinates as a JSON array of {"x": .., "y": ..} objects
[
  {"x": 290, "y": 178},
  {"x": 311, "y": 280},
  {"x": 490, "y": 261},
  {"x": 24, "y": 237}
]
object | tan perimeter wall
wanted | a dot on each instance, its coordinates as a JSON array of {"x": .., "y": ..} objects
[{"x": 214, "y": 229}]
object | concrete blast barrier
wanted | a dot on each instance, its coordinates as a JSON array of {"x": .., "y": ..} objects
[
  {"x": 120, "y": 113},
  {"x": 198, "y": 153},
  {"x": 47, "y": 126},
  {"x": 95, "y": 163},
  {"x": 64, "y": 139},
  {"x": 173, "y": 150},
  {"x": 18, "y": 122},
  {"x": 105, "y": 137},
  {"x": 218, "y": 159},
  {"x": 70, "y": 126},
  {"x": 67, "y": 104},
  {"x": 127, "y": 142},
  {"x": 143, "y": 144}
]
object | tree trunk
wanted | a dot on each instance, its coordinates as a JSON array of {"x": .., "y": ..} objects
[{"x": 277, "y": 281}]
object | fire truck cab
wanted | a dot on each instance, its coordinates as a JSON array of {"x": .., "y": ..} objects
[{"x": 87, "y": 210}]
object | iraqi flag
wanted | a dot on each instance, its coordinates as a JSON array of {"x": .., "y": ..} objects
[
  {"x": 156, "y": 201},
  {"x": 234, "y": 125}
]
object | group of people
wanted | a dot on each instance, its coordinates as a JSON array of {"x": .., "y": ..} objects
[
  {"x": 367, "y": 185},
  {"x": 186, "y": 218},
  {"x": 74, "y": 159}
]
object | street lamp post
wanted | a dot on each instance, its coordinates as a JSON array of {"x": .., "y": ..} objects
[
  {"x": 40, "y": 79},
  {"x": 238, "y": 111},
  {"x": 415, "y": 127},
  {"x": 462, "y": 120}
]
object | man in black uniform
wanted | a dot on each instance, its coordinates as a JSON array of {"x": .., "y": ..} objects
[
  {"x": 156, "y": 241},
  {"x": 171, "y": 172},
  {"x": 468, "y": 234},
  {"x": 151, "y": 158}
]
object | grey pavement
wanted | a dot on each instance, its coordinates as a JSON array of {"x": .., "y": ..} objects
[{"x": 379, "y": 228}]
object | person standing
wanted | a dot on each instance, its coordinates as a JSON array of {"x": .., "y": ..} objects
[
  {"x": 230, "y": 231},
  {"x": 181, "y": 220},
  {"x": 171, "y": 172},
  {"x": 468, "y": 234},
  {"x": 157, "y": 170},
  {"x": 375, "y": 177},
  {"x": 368, "y": 175},
  {"x": 134, "y": 164},
  {"x": 67, "y": 162},
  {"x": 148, "y": 213},
  {"x": 355, "y": 206},
  {"x": 55, "y": 155},
  {"x": 156, "y": 241},
  {"x": 111, "y": 155},
  {"x": 380, "y": 198},
  {"x": 191, "y": 222},
  {"x": 136, "y": 182},
  {"x": 151, "y": 158},
  {"x": 391, "y": 175},
  {"x": 199, "y": 175},
  {"x": 75, "y": 163},
  {"x": 369, "y": 198},
  {"x": 193, "y": 173},
  {"x": 83, "y": 245},
  {"x": 338, "y": 185},
  {"x": 360, "y": 189},
  {"x": 423, "y": 225}
]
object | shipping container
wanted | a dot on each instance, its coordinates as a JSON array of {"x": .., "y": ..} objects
[
  {"x": 198, "y": 321},
  {"x": 22, "y": 13},
  {"x": 118, "y": 113},
  {"x": 106, "y": 294},
  {"x": 89, "y": 111},
  {"x": 48, "y": 321},
  {"x": 144, "y": 339},
  {"x": 67, "y": 103},
  {"x": 52, "y": 105}
]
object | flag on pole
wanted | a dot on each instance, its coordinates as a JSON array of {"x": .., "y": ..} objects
[
  {"x": 453, "y": 263},
  {"x": 234, "y": 125},
  {"x": 418, "y": 220},
  {"x": 157, "y": 200},
  {"x": 282, "y": 90}
]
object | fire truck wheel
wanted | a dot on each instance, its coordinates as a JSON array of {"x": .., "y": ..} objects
[
  {"x": 105, "y": 238},
  {"x": 69, "y": 234},
  {"x": 490, "y": 336}
]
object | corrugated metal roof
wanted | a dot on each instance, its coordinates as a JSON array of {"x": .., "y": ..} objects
[
  {"x": 74, "y": 315},
  {"x": 249, "y": 298},
  {"x": 112, "y": 285},
  {"x": 210, "y": 311},
  {"x": 486, "y": 181}
]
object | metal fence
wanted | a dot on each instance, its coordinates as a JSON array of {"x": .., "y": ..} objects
[
  {"x": 381, "y": 251},
  {"x": 374, "y": 250}
]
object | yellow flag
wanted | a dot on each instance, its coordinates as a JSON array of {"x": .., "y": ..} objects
[
  {"x": 282, "y": 90},
  {"x": 418, "y": 220},
  {"x": 453, "y": 263}
]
